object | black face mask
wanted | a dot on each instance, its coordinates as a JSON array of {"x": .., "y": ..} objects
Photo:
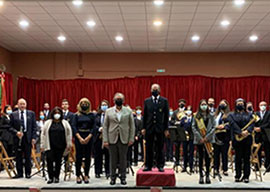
[
  {"x": 211, "y": 105},
  {"x": 155, "y": 93},
  {"x": 119, "y": 102},
  {"x": 240, "y": 107},
  {"x": 250, "y": 108},
  {"x": 85, "y": 107},
  {"x": 222, "y": 107},
  {"x": 182, "y": 105}
]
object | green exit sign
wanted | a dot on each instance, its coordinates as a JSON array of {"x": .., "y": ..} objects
[{"x": 161, "y": 70}]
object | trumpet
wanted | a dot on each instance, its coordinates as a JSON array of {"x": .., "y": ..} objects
[{"x": 255, "y": 118}]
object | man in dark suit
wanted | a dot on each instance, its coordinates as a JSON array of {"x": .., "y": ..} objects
[
  {"x": 262, "y": 128},
  {"x": 23, "y": 125},
  {"x": 155, "y": 125},
  {"x": 46, "y": 111},
  {"x": 66, "y": 113}
]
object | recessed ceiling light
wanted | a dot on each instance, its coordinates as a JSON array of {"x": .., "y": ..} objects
[
  {"x": 157, "y": 23},
  {"x": 77, "y": 2},
  {"x": 91, "y": 23},
  {"x": 225, "y": 23},
  {"x": 239, "y": 2},
  {"x": 1, "y": 3},
  {"x": 119, "y": 38},
  {"x": 158, "y": 2},
  {"x": 61, "y": 38},
  {"x": 253, "y": 38},
  {"x": 195, "y": 38},
  {"x": 24, "y": 23}
]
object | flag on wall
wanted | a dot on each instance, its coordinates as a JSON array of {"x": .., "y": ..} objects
[{"x": 3, "y": 95}]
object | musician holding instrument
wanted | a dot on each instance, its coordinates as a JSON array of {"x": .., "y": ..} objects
[
  {"x": 222, "y": 136},
  {"x": 203, "y": 127},
  {"x": 242, "y": 125}
]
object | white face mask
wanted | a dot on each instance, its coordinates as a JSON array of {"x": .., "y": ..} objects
[
  {"x": 188, "y": 112},
  {"x": 57, "y": 116},
  {"x": 9, "y": 112},
  {"x": 262, "y": 107}
]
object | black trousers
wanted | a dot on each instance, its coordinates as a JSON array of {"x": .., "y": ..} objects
[
  {"x": 221, "y": 151},
  {"x": 23, "y": 152},
  {"x": 266, "y": 146},
  {"x": 242, "y": 157},
  {"x": 54, "y": 159},
  {"x": 135, "y": 149},
  {"x": 141, "y": 146},
  {"x": 83, "y": 151},
  {"x": 99, "y": 153},
  {"x": 188, "y": 150},
  {"x": 156, "y": 139},
  {"x": 203, "y": 155},
  {"x": 169, "y": 149},
  {"x": 177, "y": 151}
]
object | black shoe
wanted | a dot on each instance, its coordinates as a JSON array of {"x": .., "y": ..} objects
[
  {"x": 161, "y": 169},
  {"x": 201, "y": 181},
  {"x": 28, "y": 176},
  {"x": 135, "y": 164},
  {"x": 184, "y": 170},
  {"x": 191, "y": 171},
  {"x": 97, "y": 175},
  {"x": 171, "y": 159},
  {"x": 79, "y": 181},
  {"x": 50, "y": 181},
  {"x": 107, "y": 175},
  {"x": 225, "y": 173},
  {"x": 56, "y": 180},
  {"x": 86, "y": 179},
  {"x": 112, "y": 182},
  {"x": 237, "y": 180},
  {"x": 17, "y": 176},
  {"x": 246, "y": 180},
  {"x": 177, "y": 163},
  {"x": 207, "y": 180},
  {"x": 147, "y": 169},
  {"x": 123, "y": 182}
]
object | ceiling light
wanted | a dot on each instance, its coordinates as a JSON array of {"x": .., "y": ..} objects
[
  {"x": 195, "y": 38},
  {"x": 158, "y": 2},
  {"x": 253, "y": 38},
  {"x": 1, "y": 3},
  {"x": 239, "y": 2},
  {"x": 61, "y": 38},
  {"x": 119, "y": 38},
  {"x": 225, "y": 23},
  {"x": 24, "y": 23},
  {"x": 91, "y": 23},
  {"x": 157, "y": 23},
  {"x": 77, "y": 2}
]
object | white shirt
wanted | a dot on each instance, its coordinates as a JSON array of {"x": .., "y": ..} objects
[
  {"x": 65, "y": 113},
  {"x": 118, "y": 113},
  {"x": 25, "y": 118},
  {"x": 262, "y": 114},
  {"x": 154, "y": 99}
]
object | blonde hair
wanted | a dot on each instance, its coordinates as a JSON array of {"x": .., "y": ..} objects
[{"x": 79, "y": 109}]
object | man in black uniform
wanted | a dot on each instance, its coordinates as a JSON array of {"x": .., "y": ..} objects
[{"x": 155, "y": 125}]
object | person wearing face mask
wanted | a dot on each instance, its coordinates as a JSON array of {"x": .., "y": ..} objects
[
  {"x": 211, "y": 104},
  {"x": 188, "y": 146},
  {"x": 40, "y": 124},
  {"x": 203, "y": 127},
  {"x": 99, "y": 150},
  {"x": 155, "y": 127},
  {"x": 238, "y": 120},
  {"x": 83, "y": 125},
  {"x": 250, "y": 107},
  {"x": 5, "y": 135},
  {"x": 56, "y": 141},
  {"x": 223, "y": 137},
  {"x": 118, "y": 135},
  {"x": 180, "y": 131},
  {"x": 139, "y": 126},
  {"x": 46, "y": 111},
  {"x": 168, "y": 141},
  {"x": 262, "y": 127}
]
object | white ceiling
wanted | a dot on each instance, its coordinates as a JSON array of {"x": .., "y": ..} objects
[{"x": 134, "y": 21}]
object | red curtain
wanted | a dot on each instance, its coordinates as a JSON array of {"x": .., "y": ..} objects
[
  {"x": 191, "y": 88},
  {"x": 9, "y": 88}
]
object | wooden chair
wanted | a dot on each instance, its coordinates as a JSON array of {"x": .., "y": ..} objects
[
  {"x": 69, "y": 162},
  {"x": 34, "y": 156},
  {"x": 7, "y": 161},
  {"x": 230, "y": 155},
  {"x": 255, "y": 147}
]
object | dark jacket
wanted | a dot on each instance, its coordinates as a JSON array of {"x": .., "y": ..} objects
[
  {"x": 264, "y": 124},
  {"x": 83, "y": 123}
]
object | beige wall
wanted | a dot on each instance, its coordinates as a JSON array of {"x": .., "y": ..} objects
[
  {"x": 113, "y": 65},
  {"x": 5, "y": 58}
]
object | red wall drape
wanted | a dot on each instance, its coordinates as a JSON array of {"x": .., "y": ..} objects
[
  {"x": 9, "y": 88},
  {"x": 191, "y": 88}
]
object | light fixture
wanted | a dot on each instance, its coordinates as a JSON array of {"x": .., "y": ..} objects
[
  {"x": 195, "y": 38},
  {"x": 253, "y": 38},
  {"x": 61, "y": 38},
  {"x": 225, "y": 23},
  {"x": 77, "y": 2},
  {"x": 158, "y": 2},
  {"x": 91, "y": 23},
  {"x": 239, "y": 2},
  {"x": 157, "y": 23},
  {"x": 119, "y": 38},
  {"x": 24, "y": 23},
  {"x": 1, "y": 3}
]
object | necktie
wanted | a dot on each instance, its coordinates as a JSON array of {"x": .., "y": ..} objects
[{"x": 22, "y": 122}]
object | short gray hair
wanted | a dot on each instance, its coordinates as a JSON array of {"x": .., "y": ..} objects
[
  {"x": 119, "y": 94},
  {"x": 155, "y": 85}
]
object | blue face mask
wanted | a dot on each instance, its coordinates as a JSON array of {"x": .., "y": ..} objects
[
  {"x": 139, "y": 112},
  {"x": 171, "y": 113},
  {"x": 9, "y": 112},
  {"x": 42, "y": 117},
  {"x": 104, "y": 107}
]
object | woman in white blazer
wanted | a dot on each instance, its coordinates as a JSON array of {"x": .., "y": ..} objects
[{"x": 56, "y": 140}]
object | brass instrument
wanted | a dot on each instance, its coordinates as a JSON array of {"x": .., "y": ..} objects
[
  {"x": 222, "y": 130},
  {"x": 180, "y": 115},
  {"x": 255, "y": 118}
]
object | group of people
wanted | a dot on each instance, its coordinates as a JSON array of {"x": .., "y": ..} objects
[{"x": 114, "y": 134}]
